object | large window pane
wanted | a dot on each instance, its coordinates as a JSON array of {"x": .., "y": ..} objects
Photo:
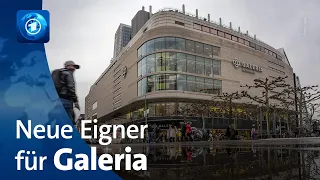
[
  {"x": 139, "y": 88},
  {"x": 143, "y": 66},
  {"x": 216, "y": 51},
  {"x": 191, "y": 64},
  {"x": 190, "y": 46},
  {"x": 160, "y": 109},
  {"x": 151, "y": 63},
  {"x": 171, "y": 61},
  {"x": 171, "y": 82},
  {"x": 143, "y": 49},
  {"x": 143, "y": 86},
  {"x": 207, "y": 50},
  {"x": 139, "y": 52},
  {"x": 160, "y": 82},
  {"x": 200, "y": 84},
  {"x": 191, "y": 84},
  {"x": 182, "y": 82},
  {"x": 152, "y": 110},
  {"x": 150, "y": 46},
  {"x": 200, "y": 65},
  {"x": 216, "y": 66},
  {"x": 170, "y": 43},
  {"x": 139, "y": 68},
  {"x": 208, "y": 86},
  {"x": 159, "y": 44},
  {"x": 181, "y": 62},
  {"x": 199, "y": 48},
  {"x": 160, "y": 62},
  {"x": 208, "y": 67},
  {"x": 171, "y": 108},
  {"x": 151, "y": 83},
  {"x": 180, "y": 44},
  {"x": 217, "y": 86}
]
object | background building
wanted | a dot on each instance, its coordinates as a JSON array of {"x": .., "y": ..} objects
[
  {"x": 121, "y": 38},
  {"x": 177, "y": 58},
  {"x": 139, "y": 20}
]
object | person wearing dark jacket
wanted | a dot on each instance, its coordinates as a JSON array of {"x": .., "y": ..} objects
[{"x": 67, "y": 91}]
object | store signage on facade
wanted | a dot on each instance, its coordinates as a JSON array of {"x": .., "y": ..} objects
[{"x": 245, "y": 65}]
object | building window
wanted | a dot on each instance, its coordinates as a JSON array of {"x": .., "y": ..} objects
[
  {"x": 213, "y": 31},
  {"x": 179, "y": 23},
  {"x": 253, "y": 45},
  {"x": 181, "y": 62},
  {"x": 160, "y": 62},
  {"x": 216, "y": 51},
  {"x": 200, "y": 65},
  {"x": 139, "y": 68},
  {"x": 160, "y": 108},
  {"x": 139, "y": 52},
  {"x": 191, "y": 84},
  {"x": 170, "y": 43},
  {"x": 171, "y": 81},
  {"x": 190, "y": 46},
  {"x": 228, "y": 36},
  {"x": 143, "y": 49},
  {"x": 151, "y": 83},
  {"x": 144, "y": 86},
  {"x": 150, "y": 46},
  {"x": 171, "y": 61},
  {"x": 143, "y": 66},
  {"x": 220, "y": 33},
  {"x": 200, "y": 84},
  {"x": 217, "y": 86},
  {"x": 152, "y": 109},
  {"x": 207, "y": 50},
  {"x": 234, "y": 38},
  {"x": 171, "y": 108},
  {"x": 180, "y": 44},
  {"x": 258, "y": 47},
  {"x": 160, "y": 82},
  {"x": 208, "y": 86},
  {"x": 191, "y": 64},
  {"x": 139, "y": 88},
  {"x": 216, "y": 67},
  {"x": 205, "y": 29},
  {"x": 199, "y": 48},
  {"x": 94, "y": 105},
  {"x": 197, "y": 26},
  {"x": 246, "y": 43},
  {"x": 241, "y": 41},
  {"x": 151, "y": 63},
  {"x": 208, "y": 67},
  {"x": 181, "y": 82},
  {"x": 160, "y": 44}
]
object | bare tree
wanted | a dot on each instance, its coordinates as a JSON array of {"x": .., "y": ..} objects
[
  {"x": 266, "y": 86},
  {"x": 303, "y": 97},
  {"x": 228, "y": 103}
]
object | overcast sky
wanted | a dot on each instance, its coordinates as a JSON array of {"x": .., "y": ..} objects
[{"x": 83, "y": 30}]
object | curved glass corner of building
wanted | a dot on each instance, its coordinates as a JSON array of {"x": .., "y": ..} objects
[{"x": 190, "y": 68}]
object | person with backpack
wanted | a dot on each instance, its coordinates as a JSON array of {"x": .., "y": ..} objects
[{"x": 65, "y": 86}]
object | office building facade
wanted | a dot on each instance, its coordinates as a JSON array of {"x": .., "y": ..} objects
[
  {"x": 121, "y": 38},
  {"x": 176, "y": 59}
]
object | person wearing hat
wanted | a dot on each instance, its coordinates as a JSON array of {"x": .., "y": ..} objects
[{"x": 65, "y": 86}]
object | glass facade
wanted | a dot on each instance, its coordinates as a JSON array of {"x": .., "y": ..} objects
[
  {"x": 177, "y": 44},
  {"x": 180, "y": 82},
  {"x": 178, "y": 62}
]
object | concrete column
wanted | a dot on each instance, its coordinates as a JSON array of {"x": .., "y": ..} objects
[
  {"x": 196, "y": 13},
  {"x": 183, "y": 9},
  {"x": 142, "y": 8},
  {"x": 230, "y": 25},
  {"x": 208, "y": 17},
  {"x": 220, "y": 21}
]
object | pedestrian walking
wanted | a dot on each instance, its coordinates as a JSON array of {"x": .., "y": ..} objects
[
  {"x": 188, "y": 131},
  {"x": 65, "y": 86},
  {"x": 173, "y": 133}
]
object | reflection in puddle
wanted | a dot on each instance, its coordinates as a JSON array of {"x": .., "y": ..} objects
[{"x": 178, "y": 162}]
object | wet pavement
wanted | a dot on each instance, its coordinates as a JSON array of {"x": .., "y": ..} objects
[{"x": 276, "y": 159}]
